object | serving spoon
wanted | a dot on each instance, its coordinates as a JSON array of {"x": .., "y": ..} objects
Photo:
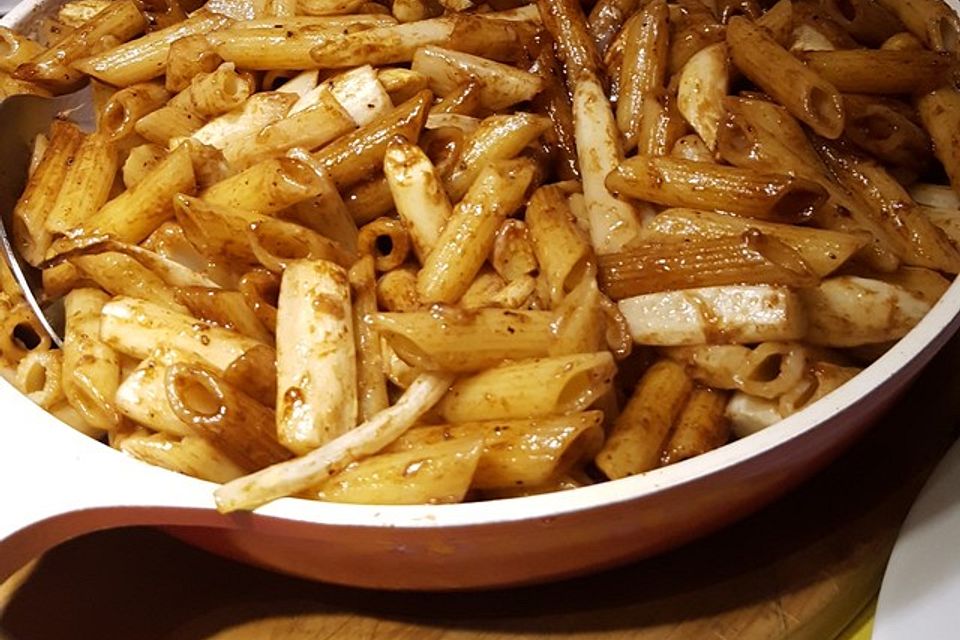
[{"x": 22, "y": 118}]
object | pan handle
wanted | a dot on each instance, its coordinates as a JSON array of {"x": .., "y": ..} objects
[{"x": 56, "y": 484}]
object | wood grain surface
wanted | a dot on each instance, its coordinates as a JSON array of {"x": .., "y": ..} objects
[{"x": 801, "y": 569}]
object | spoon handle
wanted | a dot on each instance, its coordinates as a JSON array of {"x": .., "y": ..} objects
[{"x": 58, "y": 483}]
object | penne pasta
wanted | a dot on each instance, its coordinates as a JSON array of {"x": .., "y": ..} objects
[
  {"x": 422, "y": 204},
  {"x": 875, "y": 71},
  {"x": 938, "y": 111},
  {"x": 450, "y": 268},
  {"x": 750, "y": 258},
  {"x": 640, "y": 432},
  {"x": 568, "y": 384},
  {"x": 563, "y": 251},
  {"x": 436, "y": 473},
  {"x": 317, "y": 380},
  {"x": 808, "y": 96},
  {"x": 190, "y": 455},
  {"x": 677, "y": 183},
  {"x": 715, "y": 315},
  {"x": 91, "y": 366},
  {"x": 932, "y": 21},
  {"x": 576, "y": 51},
  {"x": 643, "y": 69},
  {"x": 517, "y": 452},
  {"x": 39, "y": 376},
  {"x": 86, "y": 185},
  {"x": 822, "y": 250},
  {"x": 701, "y": 426},
  {"x": 883, "y": 129},
  {"x": 145, "y": 58},
  {"x": 461, "y": 341}
]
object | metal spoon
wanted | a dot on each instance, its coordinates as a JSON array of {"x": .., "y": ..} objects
[{"x": 21, "y": 119}]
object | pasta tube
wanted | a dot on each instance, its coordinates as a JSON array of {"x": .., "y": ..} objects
[
  {"x": 876, "y": 71},
  {"x": 451, "y": 267},
  {"x": 454, "y": 340},
  {"x": 436, "y": 473},
  {"x": 938, "y": 110},
  {"x": 316, "y": 379},
  {"x": 806, "y": 95},
  {"x": 516, "y": 452},
  {"x": 566, "y": 384},
  {"x": 562, "y": 250},
  {"x": 641, "y": 430},
  {"x": 702, "y": 426},
  {"x": 190, "y": 455},
  {"x": 91, "y": 367},
  {"x": 136, "y": 328},
  {"x": 644, "y": 68},
  {"x": 717, "y": 315},
  {"x": 679, "y": 183}
]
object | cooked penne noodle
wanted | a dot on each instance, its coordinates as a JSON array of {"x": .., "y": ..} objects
[
  {"x": 216, "y": 229},
  {"x": 56, "y": 66},
  {"x": 716, "y": 315},
  {"x": 932, "y": 21},
  {"x": 39, "y": 377},
  {"x": 678, "y": 183},
  {"x": 268, "y": 48},
  {"x": 230, "y": 420},
  {"x": 704, "y": 82},
  {"x": 127, "y": 106},
  {"x": 517, "y": 452},
  {"x": 86, "y": 185},
  {"x": 387, "y": 240},
  {"x": 640, "y": 432},
  {"x": 688, "y": 263},
  {"x": 318, "y": 465},
  {"x": 697, "y": 30},
  {"x": 497, "y": 138},
  {"x": 422, "y": 204},
  {"x": 701, "y": 426},
  {"x": 397, "y": 290},
  {"x": 316, "y": 380},
  {"x": 459, "y": 341},
  {"x": 136, "y": 213},
  {"x": 643, "y": 69},
  {"x": 145, "y": 58},
  {"x": 501, "y": 85},
  {"x": 187, "y": 58},
  {"x": 190, "y": 455},
  {"x": 449, "y": 269},
  {"x": 563, "y": 251},
  {"x": 883, "y": 129},
  {"x": 566, "y": 384},
  {"x": 849, "y": 311},
  {"x": 266, "y": 187},
  {"x": 495, "y": 39},
  {"x": 227, "y": 309},
  {"x": 613, "y": 222},
  {"x": 121, "y": 275},
  {"x": 923, "y": 244},
  {"x": 806, "y": 95},
  {"x": 938, "y": 110},
  {"x": 355, "y": 156},
  {"x": 91, "y": 367},
  {"x": 822, "y": 250},
  {"x": 947, "y": 220},
  {"x": 136, "y": 327},
  {"x": 584, "y": 323},
  {"x": 30, "y": 235},
  {"x": 435, "y": 473},
  {"x": 876, "y": 71},
  {"x": 903, "y": 41},
  {"x": 715, "y": 365},
  {"x": 576, "y": 51}
]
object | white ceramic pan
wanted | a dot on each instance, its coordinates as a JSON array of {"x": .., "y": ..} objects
[{"x": 56, "y": 483}]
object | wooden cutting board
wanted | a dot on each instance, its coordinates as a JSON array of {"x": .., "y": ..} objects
[{"x": 801, "y": 569}]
